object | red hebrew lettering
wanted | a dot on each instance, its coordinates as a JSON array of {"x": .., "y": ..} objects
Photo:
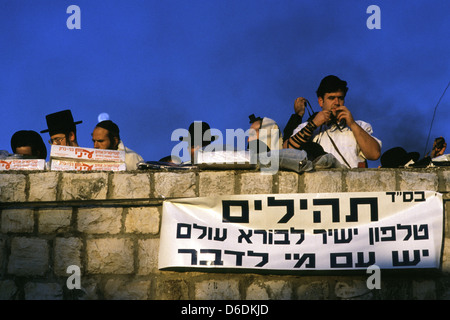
[
  {"x": 82, "y": 152},
  {"x": 83, "y": 167},
  {"x": 5, "y": 164}
]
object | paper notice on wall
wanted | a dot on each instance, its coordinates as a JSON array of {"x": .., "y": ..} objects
[
  {"x": 64, "y": 158},
  {"x": 74, "y": 165},
  {"x": 22, "y": 164},
  {"x": 88, "y": 154}
]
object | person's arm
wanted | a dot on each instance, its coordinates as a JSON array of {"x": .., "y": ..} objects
[
  {"x": 368, "y": 145},
  {"x": 298, "y": 140},
  {"x": 296, "y": 119},
  {"x": 439, "y": 146}
]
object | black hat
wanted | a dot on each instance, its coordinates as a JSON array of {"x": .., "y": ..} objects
[
  {"x": 29, "y": 138},
  {"x": 253, "y": 118},
  {"x": 206, "y": 137},
  {"x": 397, "y": 157},
  {"x": 60, "y": 122}
]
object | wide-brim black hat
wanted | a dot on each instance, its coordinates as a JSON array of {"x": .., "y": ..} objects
[
  {"x": 199, "y": 127},
  {"x": 60, "y": 122},
  {"x": 397, "y": 157},
  {"x": 253, "y": 118}
]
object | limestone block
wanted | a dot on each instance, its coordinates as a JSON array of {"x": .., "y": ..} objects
[
  {"x": 148, "y": 250},
  {"x": 217, "y": 290},
  {"x": 370, "y": 181},
  {"x": 216, "y": 183},
  {"x": 99, "y": 220},
  {"x": 446, "y": 180},
  {"x": 353, "y": 289},
  {"x": 393, "y": 287},
  {"x": 424, "y": 289},
  {"x": 29, "y": 256},
  {"x": 256, "y": 183},
  {"x": 121, "y": 289},
  {"x": 89, "y": 288},
  {"x": 170, "y": 184},
  {"x": 447, "y": 217},
  {"x": 43, "y": 186},
  {"x": 12, "y": 187},
  {"x": 84, "y": 186},
  {"x": 272, "y": 289},
  {"x": 8, "y": 289},
  {"x": 446, "y": 256},
  {"x": 287, "y": 182},
  {"x": 130, "y": 186},
  {"x": 110, "y": 256},
  {"x": 315, "y": 290},
  {"x": 17, "y": 220},
  {"x": 67, "y": 252},
  {"x": 323, "y": 181},
  {"x": 411, "y": 181},
  {"x": 172, "y": 289},
  {"x": 54, "y": 220},
  {"x": 43, "y": 291},
  {"x": 142, "y": 220},
  {"x": 2, "y": 256}
]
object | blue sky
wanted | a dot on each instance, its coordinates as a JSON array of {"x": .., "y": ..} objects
[{"x": 156, "y": 66}]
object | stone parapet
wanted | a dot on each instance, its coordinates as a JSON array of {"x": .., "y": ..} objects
[{"x": 108, "y": 224}]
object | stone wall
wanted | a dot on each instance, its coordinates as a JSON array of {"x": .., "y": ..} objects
[{"x": 108, "y": 224}]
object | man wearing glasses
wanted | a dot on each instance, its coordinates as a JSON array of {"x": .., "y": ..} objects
[{"x": 62, "y": 128}]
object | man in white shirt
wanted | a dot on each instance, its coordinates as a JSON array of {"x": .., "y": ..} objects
[{"x": 334, "y": 128}]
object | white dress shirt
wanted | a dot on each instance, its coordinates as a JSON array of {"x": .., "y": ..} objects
[{"x": 344, "y": 140}]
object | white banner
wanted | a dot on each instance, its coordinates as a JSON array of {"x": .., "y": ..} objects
[{"x": 325, "y": 231}]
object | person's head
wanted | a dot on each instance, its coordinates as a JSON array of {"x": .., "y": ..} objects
[
  {"x": 28, "y": 143},
  {"x": 265, "y": 133},
  {"x": 331, "y": 92},
  {"x": 199, "y": 137},
  {"x": 200, "y": 134},
  {"x": 61, "y": 128},
  {"x": 439, "y": 146},
  {"x": 255, "y": 125},
  {"x": 106, "y": 135}
]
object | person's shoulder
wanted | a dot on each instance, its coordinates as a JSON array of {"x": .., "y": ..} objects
[
  {"x": 363, "y": 124},
  {"x": 127, "y": 150},
  {"x": 368, "y": 128}
]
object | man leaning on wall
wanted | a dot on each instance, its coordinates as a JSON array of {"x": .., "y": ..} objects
[
  {"x": 62, "y": 128},
  {"x": 106, "y": 136}
]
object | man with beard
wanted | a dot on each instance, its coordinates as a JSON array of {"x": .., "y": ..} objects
[
  {"x": 106, "y": 136},
  {"x": 62, "y": 128}
]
